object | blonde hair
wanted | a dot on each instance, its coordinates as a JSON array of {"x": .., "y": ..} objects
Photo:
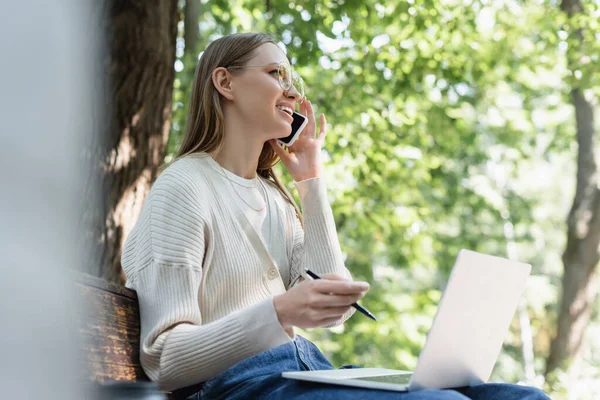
[{"x": 205, "y": 124}]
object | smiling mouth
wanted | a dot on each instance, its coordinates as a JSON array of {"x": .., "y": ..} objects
[{"x": 286, "y": 110}]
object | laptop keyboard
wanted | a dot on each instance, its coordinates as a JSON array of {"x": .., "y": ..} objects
[{"x": 399, "y": 379}]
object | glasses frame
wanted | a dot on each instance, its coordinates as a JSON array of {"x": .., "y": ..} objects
[{"x": 296, "y": 81}]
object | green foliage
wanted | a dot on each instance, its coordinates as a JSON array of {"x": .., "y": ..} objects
[{"x": 440, "y": 113}]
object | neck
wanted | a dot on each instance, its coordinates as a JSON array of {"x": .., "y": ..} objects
[{"x": 240, "y": 150}]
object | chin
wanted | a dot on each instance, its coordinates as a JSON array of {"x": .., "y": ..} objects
[{"x": 281, "y": 133}]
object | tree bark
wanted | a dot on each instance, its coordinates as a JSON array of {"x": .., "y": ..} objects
[
  {"x": 579, "y": 287},
  {"x": 140, "y": 53},
  {"x": 191, "y": 32}
]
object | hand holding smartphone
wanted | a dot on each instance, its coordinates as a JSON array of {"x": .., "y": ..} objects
[
  {"x": 297, "y": 126},
  {"x": 302, "y": 158}
]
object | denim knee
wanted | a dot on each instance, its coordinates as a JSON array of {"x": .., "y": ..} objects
[
  {"x": 505, "y": 391},
  {"x": 433, "y": 394}
]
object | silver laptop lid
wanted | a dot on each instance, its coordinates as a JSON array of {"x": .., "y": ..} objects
[{"x": 471, "y": 322}]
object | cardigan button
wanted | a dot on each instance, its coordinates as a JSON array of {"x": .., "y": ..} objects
[{"x": 272, "y": 273}]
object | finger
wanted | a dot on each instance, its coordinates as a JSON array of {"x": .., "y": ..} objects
[
  {"x": 334, "y": 277},
  {"x": 328, "y": 312},
  {"x": 328, "y": 321},
  {"x": 322, "y": 128},
  {"x": 327, "y": 286},
  {"x": 333, "y": 312},
  {"x": 310, "y": 114},
  {"x": 320, "y": 323},
  {"x": 303, "y": 110},
  {"x": 278, "y": 149},
  {"x": 333, "y": 301}
]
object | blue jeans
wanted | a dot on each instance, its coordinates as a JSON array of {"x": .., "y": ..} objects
[{"x": 259, "y": 377}]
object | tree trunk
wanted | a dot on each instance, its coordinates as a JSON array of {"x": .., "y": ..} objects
[
  {"x": 191, "y": 32},
  {"x": 579, "y": 287},
  {"x": 140, "y": 53}
]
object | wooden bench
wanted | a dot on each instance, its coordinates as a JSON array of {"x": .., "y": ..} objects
[{"x": 110, "y": 330}]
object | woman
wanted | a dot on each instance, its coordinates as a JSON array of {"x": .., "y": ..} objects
[{"x": 217, "y": 254}]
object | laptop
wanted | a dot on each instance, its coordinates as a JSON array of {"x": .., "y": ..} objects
[{"x": 465, "y": 338}]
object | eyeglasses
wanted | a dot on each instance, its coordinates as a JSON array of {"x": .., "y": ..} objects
[{"x": 287, "y": 77}]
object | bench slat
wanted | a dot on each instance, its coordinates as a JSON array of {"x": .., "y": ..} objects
[
  {"x": 116, "y": 372},
  {"x": 92, "y": 281},
  {"x": 110, "y": 329}
]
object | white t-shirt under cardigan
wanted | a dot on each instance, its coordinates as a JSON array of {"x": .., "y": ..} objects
[
  {"x": 250, "y": 196},
  {"x": 205, "y": 295}
]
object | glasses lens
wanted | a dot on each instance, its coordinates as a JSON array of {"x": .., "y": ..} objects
[
  {"x": 285, "y": 76},
  {"x": 289, "y": 78},
  {"x": 298, "y": 83}
]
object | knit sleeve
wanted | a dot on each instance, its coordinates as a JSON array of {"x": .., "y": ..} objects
[
  {"x": 316, "y": 246},
  {"x": 163, "y": 260}
]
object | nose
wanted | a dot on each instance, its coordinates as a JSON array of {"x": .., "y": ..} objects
[{"x": 294, "y": 94}]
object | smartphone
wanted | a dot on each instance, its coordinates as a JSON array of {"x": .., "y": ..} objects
[{"x": 297, "y": 127}]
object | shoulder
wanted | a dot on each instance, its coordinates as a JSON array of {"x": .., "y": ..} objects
[
  {"x": 172, "y": 226},
  {"x": 188, "y": 172},
  {"x": 184, "y": 184}
]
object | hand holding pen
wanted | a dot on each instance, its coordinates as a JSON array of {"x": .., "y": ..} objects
[
  {"x": 317, "y": 302},
  {"x": 355, "y": 305}
]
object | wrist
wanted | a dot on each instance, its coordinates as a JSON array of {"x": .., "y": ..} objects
[
  {"x": 313, "y": 196},
  {"x": 280, "y": 311},
  {"x": 305, "y": 178},
  {"x": 307, "y": 172}
]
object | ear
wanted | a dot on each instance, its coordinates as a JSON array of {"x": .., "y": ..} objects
[{"x": 221, "y": 78}]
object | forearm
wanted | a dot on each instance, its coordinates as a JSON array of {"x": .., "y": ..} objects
[
  {"x": 190, "y": 354},
  {"x": 321, "y": 250}
]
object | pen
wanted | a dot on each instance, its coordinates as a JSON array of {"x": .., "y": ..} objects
[{"x": 355, "y": 305}]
